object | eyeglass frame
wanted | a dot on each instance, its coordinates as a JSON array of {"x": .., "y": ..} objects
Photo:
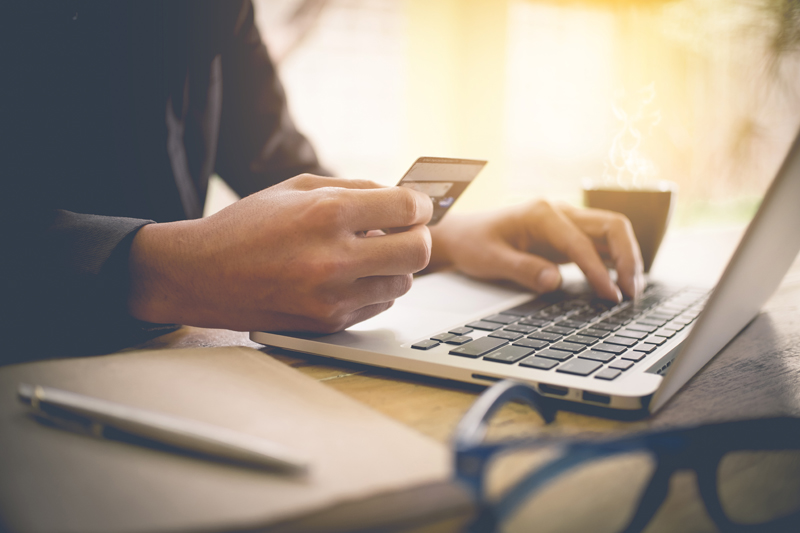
[{"x": 697, "y": 448}]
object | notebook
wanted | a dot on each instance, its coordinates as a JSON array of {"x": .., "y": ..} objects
[
  {"x": 366, "y": 470},
  {"x": 629, "y": 357}
]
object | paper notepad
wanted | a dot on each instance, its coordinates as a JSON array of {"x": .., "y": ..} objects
[{"x": 366, "y": 469}]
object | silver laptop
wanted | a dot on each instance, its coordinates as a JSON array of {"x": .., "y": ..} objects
[{"x": 569, "y": 345}]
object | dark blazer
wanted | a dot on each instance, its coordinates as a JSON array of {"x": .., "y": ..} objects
[{"x": 115, "y": 114}]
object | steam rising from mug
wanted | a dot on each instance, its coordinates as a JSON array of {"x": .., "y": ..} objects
[{"x": 627, "y": 167}]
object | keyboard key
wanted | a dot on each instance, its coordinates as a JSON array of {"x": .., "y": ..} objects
[
  {"x": 654, "y": 339},
  {"x": 559, "y": 330},
  {"x": 608, "y": 374},
  {"x": 558, "y": 355},
  {"x": 507, "y": 335},
  {"x": 622, "y": 341},
  {"x": 610, "y": 348},
  {"x": 674, "y": 326},
  {"x": 642, "y": 327},
  {"x": 528, "y": 308},
  {"x": 638, "y": 335},
  {"x": 583, "y": 317},
  {"x": 461, "y": 331},
  {"x": 601, "y": 306},
  {"x": 666, "y": 333},
  {"x": 539, "y": 362},
  {"x": 581, "y": 339},
  {"x": 651, "y": 321},
  {"x": 427, "y": 344},
  {"x": 459, "y": 340},
  {"x": 634, "y": 356},
  {"x": 615, "y": 320},
  {"x": 570, "y": 323},
  {"x": 501, "y": 319},
  {"x": 579, "y": 367},
  {"x": 605, "y": 326},
  {"x": 660, "y": 316},
  {"x": 593, "y": 332},
  {"x": 486, "y": 326},
  {"x": 478, "y": 347},
  {"x": 568, "y": 347},
  {"x": 508, "y": 354},
  {"x": 519, "y": 328},
  {"x": 621, "y": 364},
  {"x": 442, "y": 337},
  {"x": 597, "y": 356},
  {"x": 645, "y": 347},
  {"x": 537, "y": 322},
  {"x": 531, "y": 343},
  {"x": 552, "y": 312},
  {"x": 542, "y": 336}
]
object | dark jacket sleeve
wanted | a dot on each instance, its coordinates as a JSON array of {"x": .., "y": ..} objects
[
  {"x": 64, "y": 276},
  {"x": 65, "y": 287},
  {"x": 259, "y": 144}
]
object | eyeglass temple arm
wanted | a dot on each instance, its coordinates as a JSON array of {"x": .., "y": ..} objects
[
  {"x": 651, "y": 499},
  {"x": 472, "y": 427}
]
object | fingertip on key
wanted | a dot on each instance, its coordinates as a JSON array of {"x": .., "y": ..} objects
[
  {"x": 617, "y": 293},
  {"x": 549, "y": 279}
]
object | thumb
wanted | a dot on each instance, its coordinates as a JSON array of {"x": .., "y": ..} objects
[{"x": 531, "y": 271}]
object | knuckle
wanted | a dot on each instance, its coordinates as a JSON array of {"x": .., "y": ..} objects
[
  {"x": 421, "y": 253},
  {"x": 330, "y": 313},
  {"x": 330, "y": 209},
  {"x": 367, "y": 184},
  {"x": 403, "y": 284},
  {"x": 304, "y": 180},
  {"x": 332, "y": 266},
  {"x": 408, "y": 202},
  {"x": 577, "y": 244},
  {"x": 543, "y": 208},
  {"x": 615, "y": 219},
  {"x": 622, "y": 222}
]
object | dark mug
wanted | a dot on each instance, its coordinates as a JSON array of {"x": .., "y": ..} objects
[{"x": 649, "y": 209}]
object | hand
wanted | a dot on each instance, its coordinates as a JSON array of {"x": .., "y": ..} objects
[
  {"x": 524, "y": 243},
  {"x": 302, "y": 255}
]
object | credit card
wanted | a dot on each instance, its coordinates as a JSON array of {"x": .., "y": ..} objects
[{"x": 441, "y": 178}]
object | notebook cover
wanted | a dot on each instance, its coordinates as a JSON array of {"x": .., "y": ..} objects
[{"x": 366, "y": 469}]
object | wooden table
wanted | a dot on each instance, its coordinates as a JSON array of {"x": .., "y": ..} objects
[{"x": 756, "y": 375}]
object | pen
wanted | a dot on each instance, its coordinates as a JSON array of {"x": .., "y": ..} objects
[{"x": 95, "y": 416}]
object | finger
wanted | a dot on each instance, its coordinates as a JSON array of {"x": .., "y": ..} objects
[
  {"x": 366, "y": 298},
  {"x": 393, "y": 207},
  {"x": 367, "y": 312},
  {"x": 623, "y": 249},
  {"x": 568, "y": 239},
  {"x": 307, "y": 182},
  {"x": 531, "y": 271},
  {"x": 379, "y": 289},
  {"x": 332, "y": 325},
  {"x": 393, "y": 254}
]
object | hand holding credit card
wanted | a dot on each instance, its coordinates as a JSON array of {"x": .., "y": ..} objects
[{"x": 441, "y": 178}]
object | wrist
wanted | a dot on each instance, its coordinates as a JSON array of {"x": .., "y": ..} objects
[
  {"x": 158, "y": 275},
  {"x": 442, "y": 235}
]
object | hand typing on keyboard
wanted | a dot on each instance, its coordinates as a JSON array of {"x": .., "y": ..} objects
[{"x": 525, "y": 243}]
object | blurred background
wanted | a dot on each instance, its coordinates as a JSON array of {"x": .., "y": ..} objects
[{"x": 532, "y": 85}]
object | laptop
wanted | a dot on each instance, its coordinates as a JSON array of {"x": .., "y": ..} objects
[{"x": 569, "y": 345}]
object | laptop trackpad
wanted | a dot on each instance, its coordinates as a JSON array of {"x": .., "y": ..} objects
[{"x": 437, "y": 302}]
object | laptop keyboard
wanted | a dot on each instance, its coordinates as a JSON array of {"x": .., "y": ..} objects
[{"x": 576, "y": 334}]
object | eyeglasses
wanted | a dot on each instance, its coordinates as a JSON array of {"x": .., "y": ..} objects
[{"x": 729, "y": 459}]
